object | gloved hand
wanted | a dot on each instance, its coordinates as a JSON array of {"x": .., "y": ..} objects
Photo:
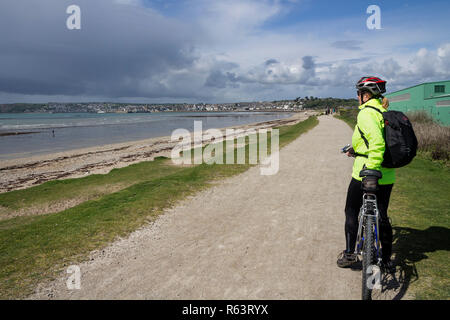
[
  {"x": 348, "y": 149},
  {"x": 351, "y": 152},
  {"x": 370, "y": 179}
]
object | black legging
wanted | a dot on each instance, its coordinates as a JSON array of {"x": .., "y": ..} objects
[{"x": 352, "y": 206}]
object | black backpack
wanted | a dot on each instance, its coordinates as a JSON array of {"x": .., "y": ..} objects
[{"x": 400, "y": 139}]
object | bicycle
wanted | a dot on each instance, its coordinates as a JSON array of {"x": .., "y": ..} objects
[
  {"x": 368, "y": 245},
  {"x": 368, "y": 242}
]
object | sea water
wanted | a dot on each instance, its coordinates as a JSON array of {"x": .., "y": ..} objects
[{"x": 66, "y": 131}]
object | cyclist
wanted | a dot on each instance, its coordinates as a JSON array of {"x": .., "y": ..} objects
[{"x": 368, "y": 148}]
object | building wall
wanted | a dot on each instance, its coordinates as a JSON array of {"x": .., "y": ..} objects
[{"x": 424, "y": 98}]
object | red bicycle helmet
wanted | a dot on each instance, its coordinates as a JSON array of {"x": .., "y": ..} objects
[{"x": 374, "y": 85}]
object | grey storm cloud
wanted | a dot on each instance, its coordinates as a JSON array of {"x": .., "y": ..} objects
[
  {"x": 219, "y": 79},
  {"x": 120, "y": 51},
  {"x": 270, "y": 62},
  {"x": 348, "y": 44},
  {"x": 308, "y": 63},
  {"x": 271, "y": 72}
]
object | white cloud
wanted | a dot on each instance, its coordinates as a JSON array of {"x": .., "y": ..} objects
[{"x": 228, "y": 16}]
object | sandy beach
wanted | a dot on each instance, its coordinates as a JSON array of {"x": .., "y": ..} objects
[{"x": 26, "y": 172}]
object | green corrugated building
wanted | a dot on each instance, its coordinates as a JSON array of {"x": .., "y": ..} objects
[{"x": 432, "y": 97}]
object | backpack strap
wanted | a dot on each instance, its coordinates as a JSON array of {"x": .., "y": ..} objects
[
  {"x": 363, "y": 137},
  {"x": 361, "y": 155},
  {"x": 360, "y": 131},
  {"x": 373, "y": 109}
]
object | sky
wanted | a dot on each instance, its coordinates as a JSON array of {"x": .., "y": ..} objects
[{"x": 175, "y": 51}]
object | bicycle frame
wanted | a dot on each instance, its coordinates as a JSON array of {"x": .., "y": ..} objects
[{"x": 369, "y": 210}]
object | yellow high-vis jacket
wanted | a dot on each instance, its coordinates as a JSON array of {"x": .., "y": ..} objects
[{"x": 371, "y": 124}]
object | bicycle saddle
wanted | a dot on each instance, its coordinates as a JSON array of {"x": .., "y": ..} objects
[{"x": 372, "y": 173}]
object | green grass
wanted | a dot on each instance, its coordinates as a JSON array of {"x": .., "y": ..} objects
[
  {"x": 36, "y": 248},
  {"x": 419, "y": 209},
  {"x": 348, "y": 116},
  {"x": 87, "y": 188}
]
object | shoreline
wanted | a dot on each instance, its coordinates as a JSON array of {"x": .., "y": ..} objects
[
  {"x": 25, "y": 172},
  {"x": 16, "y": 133}
]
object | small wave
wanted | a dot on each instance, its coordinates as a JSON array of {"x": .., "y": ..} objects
[
  {"x": 91, "y": 120},
  {"x": 77, "y": 124}
]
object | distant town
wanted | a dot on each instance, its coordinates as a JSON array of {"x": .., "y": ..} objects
[{"x": 298, "y": 104}]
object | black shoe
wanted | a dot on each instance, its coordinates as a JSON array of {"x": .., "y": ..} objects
[
  {"x": 388, "y": 266},
  {"x": 346, "y": 260}
]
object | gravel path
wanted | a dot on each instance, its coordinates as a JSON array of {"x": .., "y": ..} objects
[{"x": 248, "y": 237}]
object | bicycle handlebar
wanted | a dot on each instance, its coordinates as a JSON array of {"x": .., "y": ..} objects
[{"x": 346, "y": 148}]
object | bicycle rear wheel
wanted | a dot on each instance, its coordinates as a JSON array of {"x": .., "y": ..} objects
[{"x": 367, "y": 254}]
